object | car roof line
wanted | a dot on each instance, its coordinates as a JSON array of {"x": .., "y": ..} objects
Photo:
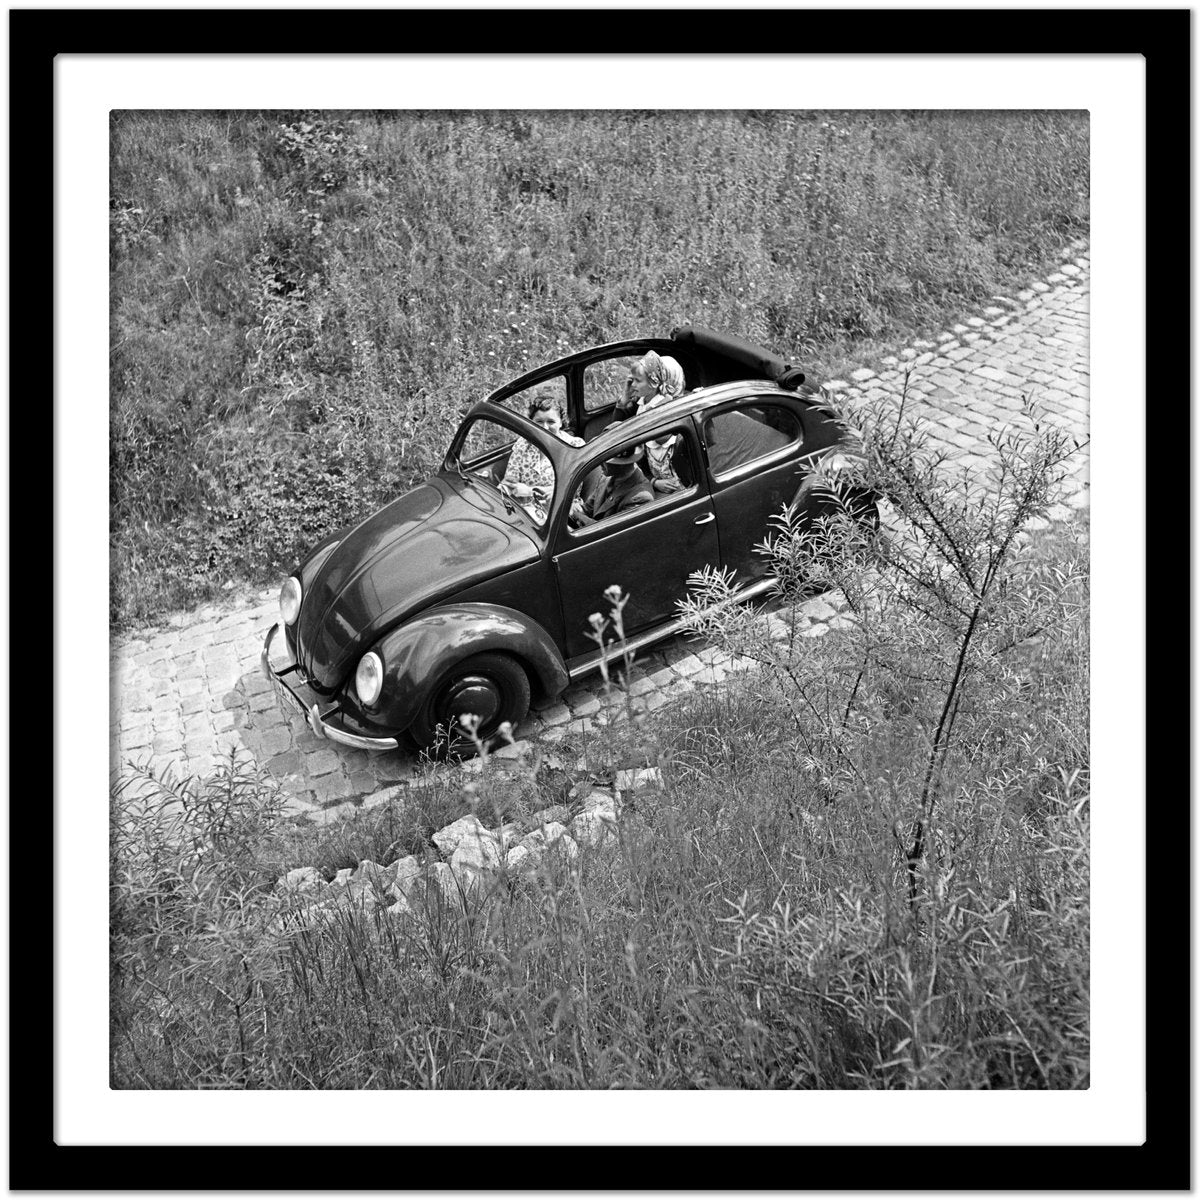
[{"x": 602, "y": 349}]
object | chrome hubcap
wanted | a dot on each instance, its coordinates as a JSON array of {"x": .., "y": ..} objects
[{"x": 473, "y": 694}]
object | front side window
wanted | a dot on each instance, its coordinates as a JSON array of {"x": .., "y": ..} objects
[
  {"x": 741, "y": 436},
  {"x": 635, "y": 477},
  {"x": 485, "y": 449},
  {"x": 519, "y": 468}
]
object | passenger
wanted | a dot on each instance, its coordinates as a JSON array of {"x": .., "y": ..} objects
[
  {"x": 653, "y": 380},
  {"x": 623, "y": 486},
  {"x": 529, "y": 477}
]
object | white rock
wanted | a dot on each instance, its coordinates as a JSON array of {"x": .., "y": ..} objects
[
  {"x": 435, "y": 885},
  {"x": 521, "y": 858},
  {"x": 601, "y": 802},
  {"x": 475, "y": 855},
  {"x": 302, "y": 879},
  {"x": 594, "y": 828},
  {"x": 513, "y": 750},
  {"x": 629, "y": 781},
  {"x": 469, "y": 827},
  {"x": 371, "y": 872},
  {"x": 551, "y": 839},
  {"x": 565, "y": 848},
  {"x": 343, "y": 877},
  {"x": 404, "y": 871}
]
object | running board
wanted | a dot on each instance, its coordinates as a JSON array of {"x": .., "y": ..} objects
[{"x": 633, "y": 645}]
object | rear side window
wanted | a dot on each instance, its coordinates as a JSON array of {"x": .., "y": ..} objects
[
  {"x": 604, "y": 381},
  {"x": 741, "y": 436}
]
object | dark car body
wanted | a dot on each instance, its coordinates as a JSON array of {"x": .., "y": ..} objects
[{"x": 455, "y": 572}]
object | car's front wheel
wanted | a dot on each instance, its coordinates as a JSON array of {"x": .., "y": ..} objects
[{"x": 494, "y": 687}]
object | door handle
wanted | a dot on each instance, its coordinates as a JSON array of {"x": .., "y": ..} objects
[{"x": 704, "y": 520}]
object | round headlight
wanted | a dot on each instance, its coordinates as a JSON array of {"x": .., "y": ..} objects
[
  {"x": 368, "y": 679},
  {"x": 289, "y": 600}
]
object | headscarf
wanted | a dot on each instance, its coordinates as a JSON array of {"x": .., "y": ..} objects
[{"x": 665, "y": 373}]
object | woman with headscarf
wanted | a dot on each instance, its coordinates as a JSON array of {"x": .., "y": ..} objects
[{"x": 653, "y": 380}]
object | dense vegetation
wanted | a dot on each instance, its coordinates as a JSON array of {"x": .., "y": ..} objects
[
  {"x": 867, "y": 867},
  {"x": 302, "y": 303},
  {"x": 747, "y": 934}
]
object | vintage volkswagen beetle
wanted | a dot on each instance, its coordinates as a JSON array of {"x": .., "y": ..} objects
[{"x": 456, "y": 599}]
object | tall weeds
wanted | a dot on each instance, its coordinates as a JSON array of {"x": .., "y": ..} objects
[{"x": 749, "y": 924}]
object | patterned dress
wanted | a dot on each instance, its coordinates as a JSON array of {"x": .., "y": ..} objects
[{"x": 528, "y": 465}]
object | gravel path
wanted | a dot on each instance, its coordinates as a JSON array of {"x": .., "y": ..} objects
[{"x": 189, "y": 693}]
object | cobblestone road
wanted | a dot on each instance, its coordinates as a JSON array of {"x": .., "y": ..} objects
[{"x": 189, "y": 693}]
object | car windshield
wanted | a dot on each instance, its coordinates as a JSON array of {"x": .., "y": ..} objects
[{"x": 520, "y": 470}]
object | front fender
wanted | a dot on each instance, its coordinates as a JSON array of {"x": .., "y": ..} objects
[{"x": 416, "y": 654}]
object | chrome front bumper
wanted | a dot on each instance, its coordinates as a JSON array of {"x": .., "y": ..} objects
[{"x": 318, "y": 722}]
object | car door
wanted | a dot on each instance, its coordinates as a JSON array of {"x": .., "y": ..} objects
[
  {"x": 754, "y": 449},
  {"x": 648, "y": 551}
]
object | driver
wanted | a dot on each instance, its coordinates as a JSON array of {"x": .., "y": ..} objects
[{"x": 621, "y": 487}]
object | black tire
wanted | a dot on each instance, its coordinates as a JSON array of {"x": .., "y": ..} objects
[{"x": 493, "y": 686}]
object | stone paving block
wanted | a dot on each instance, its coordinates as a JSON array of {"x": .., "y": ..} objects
[
  {"x": 274, "y": 741},
  {"x": 254, "y": 683},
  {"x": 166, "y": 743},
  {"x": 329, "y": 788},
  {"x": 585, "y": 706},
  {"x": 289, "y": 762},
  {"x": 362, "y": 783},
  {"x": 321, "y": 762},
  {"x": 689, "y": 666},
  {"x": 166, "y": 719},
  {"x": 393, "y": 765},
  {"x": 190, "y": 705},
  {"x": 556, "y": 714},
  {"x": 197, "y": 726},
  {"x": 222, "y": 722}
]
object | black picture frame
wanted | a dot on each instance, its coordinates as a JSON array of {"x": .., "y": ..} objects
[{"x": 36, "y": 37}]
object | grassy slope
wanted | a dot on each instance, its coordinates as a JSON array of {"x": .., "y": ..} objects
[
  {"x": 302, "y": 304},
  {"x": 747, "y": 932}
]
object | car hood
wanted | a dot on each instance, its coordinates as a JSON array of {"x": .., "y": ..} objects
[{"x": 435, "y": 540}]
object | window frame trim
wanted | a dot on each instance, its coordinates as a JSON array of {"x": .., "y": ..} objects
[{"x": 764, "y": 462}]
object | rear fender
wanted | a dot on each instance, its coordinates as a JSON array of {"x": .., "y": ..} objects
[{"x": 419, "y": 652}]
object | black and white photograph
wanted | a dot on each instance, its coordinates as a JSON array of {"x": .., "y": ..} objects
[
  {"x": 584, "y": 624},
  {"x": 600, "y": 601}
]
